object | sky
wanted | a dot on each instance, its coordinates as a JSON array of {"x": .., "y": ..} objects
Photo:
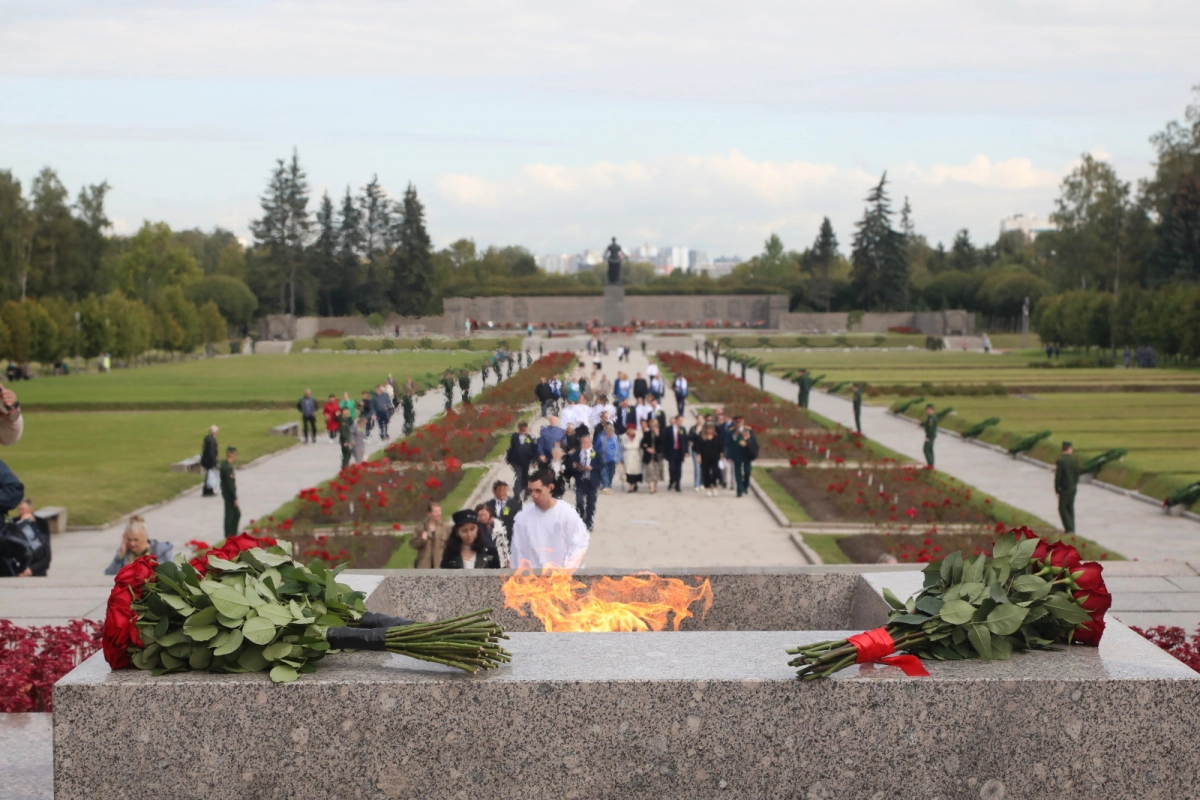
[{"x": 556, "y": 125}]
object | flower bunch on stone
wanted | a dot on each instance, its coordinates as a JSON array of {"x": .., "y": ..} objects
[
  {"x": 1027, "y": 594},
  {"x": 246, "y": 606}
]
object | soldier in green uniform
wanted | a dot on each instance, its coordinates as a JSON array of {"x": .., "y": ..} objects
[
  {"x": 931, "y": 428},
  {"x": 345, "y": 437},
  {"x": 1066, "y": 479},
  {"x": 233, "y": 514},
  {"x": 857, "y": 406},
  {"x": 806, "y": 384}
]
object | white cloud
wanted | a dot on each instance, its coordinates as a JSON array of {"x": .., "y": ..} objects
[
  {"x": 1100, "y": 154},
  {"x": 1012, "y": 173}
]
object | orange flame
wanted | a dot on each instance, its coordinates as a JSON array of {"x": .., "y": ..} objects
[{"x": 641, "y": 602}]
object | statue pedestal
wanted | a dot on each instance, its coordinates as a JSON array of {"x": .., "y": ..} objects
[{"x": 614, "y": 305}]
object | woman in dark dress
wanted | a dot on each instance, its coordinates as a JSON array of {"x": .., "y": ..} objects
[
  {"x": 710, "y": 450},
  {"x": 465, "y": 549}
]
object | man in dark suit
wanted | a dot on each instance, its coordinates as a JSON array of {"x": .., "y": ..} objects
[
  {"x": 584, "y": 466},
  {"x": 626, "y": 418},
  {"x": 521, "y": 452},
  {"x": 674, "y": 444},
  {"x": 640, "y": 388},
  {"x": 656, "y": 412},
  {"x": 504, "y": 508}
]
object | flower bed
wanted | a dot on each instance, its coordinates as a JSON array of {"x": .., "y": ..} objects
[
  {"x": 376, "y": 491},
  {"x": 1176, "y": 642},
  {"x": 804, "y": 447},
  {"x": 35, "y": 658},
  {"x": 356, "y": 550},
  {"x": 906, "y": 496},
  {"x": 914, "y": 548},
  {"x": 715, "y": 386}
]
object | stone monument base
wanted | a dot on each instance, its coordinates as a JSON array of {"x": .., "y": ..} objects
[
  {"x": 614, "y": 305},
  {"x": 711, "y": 711}
]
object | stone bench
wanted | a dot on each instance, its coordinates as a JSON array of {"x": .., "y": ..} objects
[
  {"x": 287, "y": 429},
  {"x": 55, "y": 516},
  {"x": 188, "y": 465}
]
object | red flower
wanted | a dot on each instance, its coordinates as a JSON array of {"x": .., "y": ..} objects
[
  {"x": 1096, "y": 602},
  {"x": 1063, "y": 555},
  {"x": 120, "y": 630},
  {"x": 1090, "y": 633},
  {"x": 1089, "y": 576}
]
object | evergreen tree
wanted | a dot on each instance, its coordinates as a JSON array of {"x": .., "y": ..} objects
[
  {"x": 284, "y": 227},
  {"x": 350, "y": 246},
  {"x": 323, "y": 254},
  {"x": 376, "y": 214},
  {"x": 824, "y": 253},
  {"x": 54, "y": 251},
  {"x": 879, "y": 260},
  {"x": 16, "y": 235},
  {"x": 412, "y": 261},
  {"x": 92, "y": 222},
  {"x": 963, "y": 255}
]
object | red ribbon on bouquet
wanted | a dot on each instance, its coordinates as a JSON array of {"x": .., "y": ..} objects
[{"x": 877, "y": 646}]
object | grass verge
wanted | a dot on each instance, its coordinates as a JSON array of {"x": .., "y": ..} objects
[{"x": 779, "y": 496}]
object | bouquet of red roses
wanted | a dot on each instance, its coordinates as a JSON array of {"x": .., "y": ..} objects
[
  {"x": 1027, "y": 595},
  {"x": 247, "y": 606}
]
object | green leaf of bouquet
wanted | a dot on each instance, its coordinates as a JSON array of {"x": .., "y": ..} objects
[
  {"x": 996, "y": 593},
  {"x": 909, "y": 619},
  {"x": 973, "y": 569},
  {"x": 267, "y": 559},
  {"x": 231, "y": 644},
  {"x": 208, "y": 585},
  {"x": 169, "y": 661},
  {"x": 276, "y": 651},
  {"x": 1036, "y": 612},
  {"x": 281, "y": 673},
  {"x": 200, "y": 658},
  {"x": 930, "y": 604},
  {"x": 890, "y": 598},
  {"x": 297, "y": 611},
  {"x": 201, "y": 633},
  {"x": 330, "y": 621},
  {"x": 230, "y": 602},
  {"x": 1063, "y": 608},
  {"x": 201, "y": 619},
  {"x": 252, "y": 660},
  {"x": 259, "y": 630},
  {"x": 981, "y": 639},
  {"x": 225, "y": 565},
  {"x": 1031, "y": 585},
  {"x": 1006, "y": 619},
  {"x": 160, "y": 628},
  {"x": 173, "y": 638},
  {"x": 957, "y": 612},
  {"x": 1022, "y": 554},
  {"x": 229, "y": 622},
  {"x": 1001, "y": 648},
  {"x": 275, "y": 613},
  {"x": 174, "y": 601},
  {"x": 1004, "y": 545}
]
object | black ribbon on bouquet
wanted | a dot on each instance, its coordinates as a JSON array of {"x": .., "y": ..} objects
[{"x": 370, "y": 634}]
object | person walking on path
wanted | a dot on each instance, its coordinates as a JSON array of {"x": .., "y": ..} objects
[
  {"x": 382, "y": 406},
  {"x": 694, "y": 435},
  {"x": 710, "y": 450},
  {"x": 857, "y": 402},
  {"x": 366, "y": 410},
  {"x": 358, "y": 440},
  {"x": 675, "y": 449},
  {"x": 520, "y": 454},
  {"x": 931, "y": 429},
  {"x": 652, "y": 454},
  {"x": 504, "y": 510},
  {"x": 233, "y": 514},
  {"x": 548, "y": 533},
  {"x": 609, "y": 453},
  {"x": 307, "y": 406},
  {"x": 631, "y": 449},
  {"x": 1066, "y": 480},
  {"x": 210, "y": 454},
  {"x": 680, "y": 385},
  {"x": 543, "y": 395},
  {"x": 331, "y": 417},
  {"x": 806, "y": 384},
  {"x": 585, "y": 467},
  {"x": 346, "y": 436},
  {"x": 741, "y": 450},
  {"x": 550, "y": 435},
  {"x": 640, "y": 389},
  {"x": 348, "y": 405},
  {"x": 429, "y": 540},
  {"x": 465, "y": 548}
]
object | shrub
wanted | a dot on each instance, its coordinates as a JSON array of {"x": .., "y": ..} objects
[
  {"x": 425, "y": 343},
  {"x": 35, "y": 658},
  {"x": 935, "y": 343},
  {"x": 387, "y": 344},
  {"x": 879, "y": 340},
  {"x": 464, "y": 344},
  {"x": 841, "y": 341},
  {"x": 350, "y": 344}
]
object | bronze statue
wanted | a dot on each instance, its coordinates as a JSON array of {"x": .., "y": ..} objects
[{"x": 614, "y": 255}]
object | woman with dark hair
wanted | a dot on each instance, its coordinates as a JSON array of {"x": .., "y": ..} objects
[
  {"x": 651, "y": 456},
  {"x": 710, "y": 449},
  {"x": 465, "y": 549},
  {"x": 492, "y": 534}
]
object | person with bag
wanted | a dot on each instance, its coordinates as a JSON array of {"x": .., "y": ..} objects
[
  {"x": 15, "y": 552},
  {"x": 209, "y": 454},
  {"x": 37, "y": 535}
]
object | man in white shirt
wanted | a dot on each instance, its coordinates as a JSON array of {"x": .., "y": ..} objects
[
  {"x": 546, "y": 532},
  {"x": 652, "y": 370},
  {"x": 681, "y": 392},
  {"x": 576, "y": 414},
  {"x": 643, "y": 410}
]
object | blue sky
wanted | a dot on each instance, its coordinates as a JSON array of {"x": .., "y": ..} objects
[{"x": 556, "y": 125}]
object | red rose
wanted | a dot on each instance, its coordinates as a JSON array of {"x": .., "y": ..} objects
[
  {"x": 118, "y": 622},
  {"x": 1024, "y": 533},
  {"x": 1040, "y": 552},
  {"x": 1090, "y": 633},
  {"x": 1096, "y": 601},
  {"x": 200, "y": 564},
  {"x": 135, "y": 574},
  {"x": 1089, "y": 576},
  {"x": 1063, "y": 555}
]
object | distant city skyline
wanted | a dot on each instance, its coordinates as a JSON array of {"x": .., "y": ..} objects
[{"x": 550, "y": 126}]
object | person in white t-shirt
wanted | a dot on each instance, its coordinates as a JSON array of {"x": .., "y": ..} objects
[{"x": 547, "y": 532}]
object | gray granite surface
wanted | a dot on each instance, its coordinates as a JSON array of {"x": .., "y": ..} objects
[
  {"x": 696, "y": 714},
  {"x": 26, "y": 757}
]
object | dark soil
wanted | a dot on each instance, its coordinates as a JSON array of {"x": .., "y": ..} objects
[
  {"x": 368, "y": 551},
  {"x": 866, "y": 548},
  {"x": 812, "y": 498}
]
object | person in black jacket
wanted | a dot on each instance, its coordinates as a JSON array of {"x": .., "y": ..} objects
[
  {"x": 543, "y": 394},
  {"x": 37, "y": 534},
  {"x": 585, "y": 468},
  {"x": 640, "y": 388},
  {"x": 209, "y": 455},
  {"x": 465, "y": 549},
  {"x": 521, "y": 451},
  {"x": 674, "y": 445}
]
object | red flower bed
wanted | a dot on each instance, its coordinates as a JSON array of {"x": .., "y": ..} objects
[
  {"x": 805, "y": 447},
  {"x": 903, "y": 329},
  {"x": 375, "y": 491},
  {"x": 715, "y": 386},
  {"x": 1176, "y": 642},
  {"x": 771, "y": 416},
  {"x": 34, "y": 658},
  {"x": 432, "y": 443}
]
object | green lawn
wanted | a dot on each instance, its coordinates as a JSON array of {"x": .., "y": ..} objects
[
  {"x": 100, "y": 465},
  {"x": 779, "y": 496},
  {"x": 743, "y": 341},
  {"x": 476, "y": 343},
  {"x": 261, "y": 381}
]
